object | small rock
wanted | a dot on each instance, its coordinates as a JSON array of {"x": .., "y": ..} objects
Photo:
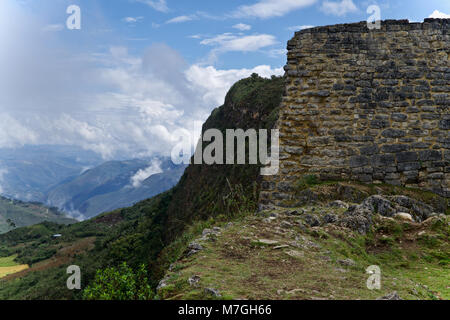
[
  {"x": 330, "y": 218},
  {"x": 338, "y": 204},
  {"x": 286, "y": 225},
  {"x": 341, "y": 270},
  {"x": 213, "y": 292},
  {"x": 391, "y": 296},
  {"x": 312, "y": 221},
  {"x": 296, "y": 212},
  {"x": 311, "y": 244},
  {"x": 295, "y": 253},
  {"x": 281, "y": 247},
  {"x": 194, "y": 248},
  {"x": 162, "y": 284},
  {"x": 206, "y": 232},
  {"x": 193, "y": 281},
  {"x": 347, "y": 262},
  {"x": 294, "y": 291},
  {"x": 404, "y": 216}
]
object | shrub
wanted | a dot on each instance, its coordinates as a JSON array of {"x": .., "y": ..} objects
[{"x": 119, "y": 284}]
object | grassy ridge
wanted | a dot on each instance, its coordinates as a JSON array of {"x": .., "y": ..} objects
[{"x": 310, "y": 262}]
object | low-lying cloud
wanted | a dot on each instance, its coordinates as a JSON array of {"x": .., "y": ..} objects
[{"x": 144, "y": 174}]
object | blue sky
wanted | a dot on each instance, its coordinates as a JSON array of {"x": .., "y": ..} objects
[
  {"x": 183, "y": 25},
  {"x": 140, "y": 70}
]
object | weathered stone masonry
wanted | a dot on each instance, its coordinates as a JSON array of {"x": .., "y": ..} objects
[{"x": 366, "y": 105}]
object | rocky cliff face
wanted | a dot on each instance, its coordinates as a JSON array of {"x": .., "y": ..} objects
[{"x": 366, "y": 105}]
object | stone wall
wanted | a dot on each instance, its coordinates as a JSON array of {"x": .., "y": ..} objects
[{"x": 366, "y": 105}]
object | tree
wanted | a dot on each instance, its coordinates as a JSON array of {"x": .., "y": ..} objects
[{"x": 119, "y": 284}]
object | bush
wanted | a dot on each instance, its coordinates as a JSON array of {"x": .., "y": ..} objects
[{"x": 119, "y": 284}]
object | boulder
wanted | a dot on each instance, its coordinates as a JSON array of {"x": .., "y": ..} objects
[
  {"x": 360, "y": 220},
  {"x": 347, "y": 262},
  {"x": 379, "y": 204}
]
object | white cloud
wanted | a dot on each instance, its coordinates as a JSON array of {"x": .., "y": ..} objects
[
  {"x": 231, "y": 42},
  {"x": 132, "y": 20},
  {"x": 439, "y": 15},
  {"x": 143, "y": 174},
  {"x": 338, "y": 8},
  {"x": 181, "y": 19},
  {"x": 242, "y": 27},
  {"x": 159, "y": 5},
  {"x": 297, "y": 28},
  {"x": 271, "y": 8},
  {"x": 213, "y": 84}
]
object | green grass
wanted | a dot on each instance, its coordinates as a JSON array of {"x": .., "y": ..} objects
[
  {"x": 8, "y": 261},
  {"x": 239, "y": 269}
]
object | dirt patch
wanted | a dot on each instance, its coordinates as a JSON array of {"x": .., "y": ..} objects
[{"x": 110, "y": 219}]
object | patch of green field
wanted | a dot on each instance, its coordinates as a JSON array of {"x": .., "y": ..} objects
[{"x": 8, "y": 261}]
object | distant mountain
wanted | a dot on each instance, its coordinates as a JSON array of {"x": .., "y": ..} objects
[
  {"x": 113, "y": 185},
  {"x": 16, "y": 214},
  {"x": 27, "y": 173}
]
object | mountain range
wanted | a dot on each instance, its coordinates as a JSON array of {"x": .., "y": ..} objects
[
  {"x": 79, "y": 182},
  {"x": 113, "y": 185}
]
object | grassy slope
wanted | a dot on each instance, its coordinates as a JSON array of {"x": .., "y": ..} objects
[
  {"x": 414, "y": 260},
  {"x": 26, "y": 214}
]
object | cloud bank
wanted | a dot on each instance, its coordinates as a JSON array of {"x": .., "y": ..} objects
[{"x": 111, "y": 102}]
